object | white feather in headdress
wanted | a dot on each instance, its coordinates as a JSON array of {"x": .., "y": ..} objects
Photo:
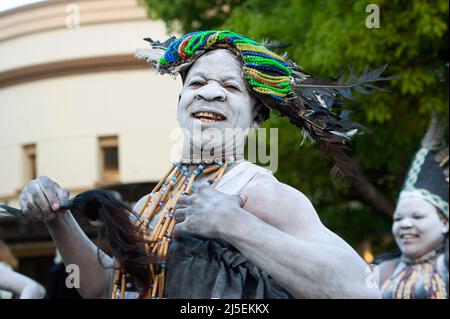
[{"x": 149, "y": 55}]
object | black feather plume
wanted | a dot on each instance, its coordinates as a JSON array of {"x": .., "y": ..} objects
[
  {"x": 10, "y": 211},
  {"x": 310, "y": 107},
  {"x": 342, "y": 85},
  {"x": 275, "y": 44},
  {"x": 162, "y": 45}
]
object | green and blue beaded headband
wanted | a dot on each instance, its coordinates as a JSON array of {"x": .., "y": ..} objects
[{"x": 266, "y": 72}]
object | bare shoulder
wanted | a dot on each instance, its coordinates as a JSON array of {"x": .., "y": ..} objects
[
  {"x": 386, "y": 269},
  {"x": 140, "y": 203},
  {"x": 388, "y": 266},
  {"x": 279, "y": 204},
  {"x": 289, "y": 210},
  {"x": 441, "y": 262}
]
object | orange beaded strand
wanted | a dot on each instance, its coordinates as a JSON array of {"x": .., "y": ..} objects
[{"x": 177, "y": 181}]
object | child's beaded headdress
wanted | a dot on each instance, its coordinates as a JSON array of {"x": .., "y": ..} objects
[
  {"x": 428, "y": 173},
  {"x": 277, "y": 82}
]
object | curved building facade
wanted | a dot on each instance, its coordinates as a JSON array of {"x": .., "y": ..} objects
[
  {"x": 78, "y": 107},
  {"x": 75, "y": 105}
]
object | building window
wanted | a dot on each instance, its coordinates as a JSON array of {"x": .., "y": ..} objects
[
  {"x": 30, "y": 170},
  {"x": 109, "y": 158}
]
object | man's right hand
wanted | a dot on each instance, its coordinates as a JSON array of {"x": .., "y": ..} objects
[{"x": 41, "y": 199}]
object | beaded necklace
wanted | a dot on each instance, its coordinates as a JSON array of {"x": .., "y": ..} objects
[
  {"x": 161, "y": 201},
  {"x": 418, "y": 276}
]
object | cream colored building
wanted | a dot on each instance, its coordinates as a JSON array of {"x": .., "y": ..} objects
[{"x": 75, "y": 105}]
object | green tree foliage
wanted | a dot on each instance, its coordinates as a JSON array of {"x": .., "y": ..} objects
[
  {"x": 326, "y": 36},
  {"x": 190, "y": 15}
]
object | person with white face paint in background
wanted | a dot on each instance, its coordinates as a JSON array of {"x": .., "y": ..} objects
[
  {"x": 419, "y": 270},
  {"x": 13, "y": 283},
  {"x": 247, "y": 235}
]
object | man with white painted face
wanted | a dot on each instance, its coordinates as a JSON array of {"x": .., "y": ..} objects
[
  {"x": 237, "y": 231},
  {"x": 215, "y": 101},
  {"x": 419, "y": 269}
]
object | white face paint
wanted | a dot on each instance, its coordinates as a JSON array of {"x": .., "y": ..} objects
[
  {"x": 214, "y": 97},
  {"x": 417, "y": 227}
]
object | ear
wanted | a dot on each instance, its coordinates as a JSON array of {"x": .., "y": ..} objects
[
  {"x": 256, "y": 115},
  {"x": 178, "y": 109},
  {"x": 255, "y": 110},
  {"x": 444, "y": 227}
]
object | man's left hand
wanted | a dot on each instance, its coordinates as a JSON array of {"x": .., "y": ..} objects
[{"x": 205, "y": 212}]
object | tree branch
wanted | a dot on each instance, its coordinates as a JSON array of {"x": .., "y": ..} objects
[{"x": 371, "y": 193}]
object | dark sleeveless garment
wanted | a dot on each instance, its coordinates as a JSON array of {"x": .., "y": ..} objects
[
  {"x": 210, "y": 268},
  {"x": 205, "y": 268}
]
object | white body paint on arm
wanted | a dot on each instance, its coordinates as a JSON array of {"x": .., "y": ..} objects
[
  {"x": 279, "y": 230},
  {"x": 19, "y": 284}
]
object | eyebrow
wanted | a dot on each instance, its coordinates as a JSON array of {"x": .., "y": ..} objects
[
  {"x": 413, "y": 212},
  {"x": 224, "y": 77}
]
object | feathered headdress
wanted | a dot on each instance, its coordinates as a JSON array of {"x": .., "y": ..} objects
[
  {"x": 428, "y": 173},
  {"x": 278, "y": 83}
]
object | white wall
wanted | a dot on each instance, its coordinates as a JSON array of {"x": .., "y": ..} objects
[{"x": 65, "y": 116}]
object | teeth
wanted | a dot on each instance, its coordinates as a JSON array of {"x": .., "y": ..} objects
[
  {"x": 409, "y": 236},
  {"x": 208, "y": 116}
]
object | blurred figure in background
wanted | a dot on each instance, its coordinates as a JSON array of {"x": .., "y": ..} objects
[
  {"x": 419, "y": 269},
  {"x": 13, "y": 283},
  {"x": 8, "y": 260}
]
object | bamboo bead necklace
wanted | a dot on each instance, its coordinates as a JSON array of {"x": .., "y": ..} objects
[{"x": 162, "y": 200}]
